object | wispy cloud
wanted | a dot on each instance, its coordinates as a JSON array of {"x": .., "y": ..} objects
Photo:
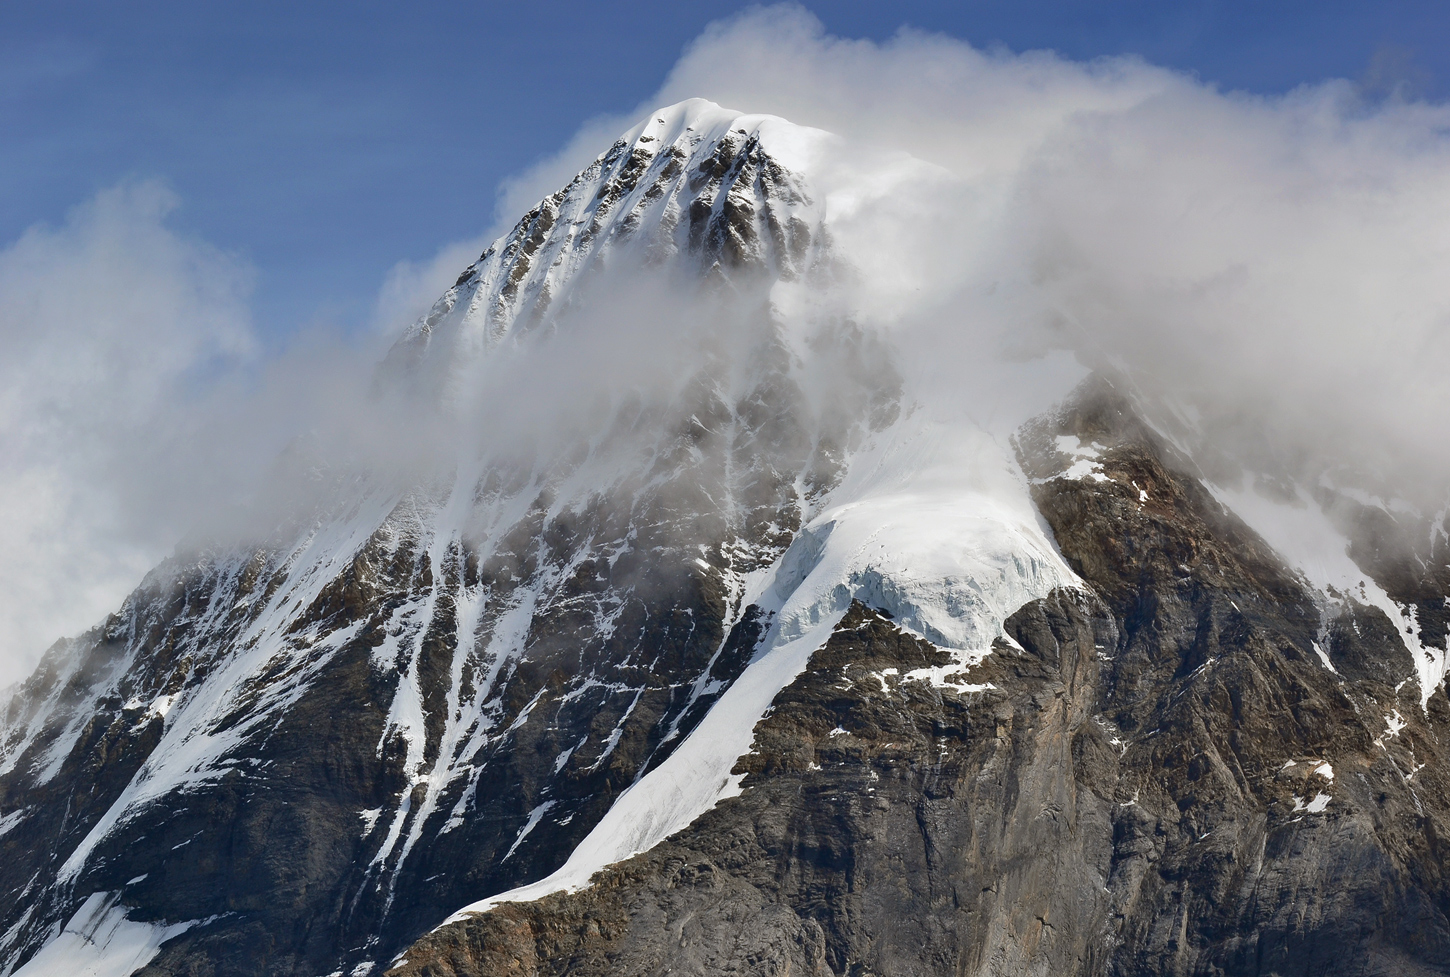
[
  {"x": 112, "y": 326},
  {"x": 1277, "y": 263}
]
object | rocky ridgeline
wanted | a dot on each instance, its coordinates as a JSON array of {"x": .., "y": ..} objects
[{"x": 693, "y": 180}]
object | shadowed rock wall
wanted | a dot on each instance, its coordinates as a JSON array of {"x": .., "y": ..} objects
[{"x": 1160, "y": 776}]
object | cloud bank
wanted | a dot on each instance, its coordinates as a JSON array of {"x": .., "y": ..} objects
[
  {"x": 1275, "y": 265},
  {"x": 137, "y": 404},
  {"x": 1278, "y": 264},
  {"x": 108, "y": 324}
]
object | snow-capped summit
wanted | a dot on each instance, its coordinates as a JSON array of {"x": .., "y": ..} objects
[{"x": 724, "y": 186}]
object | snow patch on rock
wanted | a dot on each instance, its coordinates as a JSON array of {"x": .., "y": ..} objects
[
  {"x": 100, "y": 941},
  {"x": 1304, "y": 535},
  {"x": 933, "y": 523}
]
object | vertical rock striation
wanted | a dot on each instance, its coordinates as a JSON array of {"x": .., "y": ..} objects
[{"x": 1159, "y": 774}]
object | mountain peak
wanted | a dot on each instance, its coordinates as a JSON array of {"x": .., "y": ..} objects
[
  {"x": 697, "y": 121},
  {"x": 727, "y": 188},
  {"x": 722, "y": 626}
]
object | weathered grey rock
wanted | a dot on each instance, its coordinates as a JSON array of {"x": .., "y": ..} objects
[{"x": 1121, "y": 801}]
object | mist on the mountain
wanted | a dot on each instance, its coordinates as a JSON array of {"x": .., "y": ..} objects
[
  {"x": 139, "y": 404},
  {"x": 1273, "y": 265},
  {"x": 1276, "y": 263},
  {"x": 109, "y": 325}
]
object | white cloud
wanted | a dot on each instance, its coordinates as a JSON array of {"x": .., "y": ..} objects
[
  {"x": 1277, "y": 262},
  {"x": 111, "y": 324}
]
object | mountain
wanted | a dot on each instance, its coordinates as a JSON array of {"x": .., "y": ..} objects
[{"x": 710, "y": 644}]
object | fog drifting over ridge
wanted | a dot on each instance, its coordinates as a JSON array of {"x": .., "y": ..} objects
[
  {"x": 1280, "y": 263},
  {"x": 1276, "y": 264}
]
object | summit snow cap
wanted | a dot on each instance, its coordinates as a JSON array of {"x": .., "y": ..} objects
[{"x": 690, "y": 177}]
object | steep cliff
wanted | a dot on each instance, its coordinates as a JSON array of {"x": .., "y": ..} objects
[{"x": 1163, "y": 772}]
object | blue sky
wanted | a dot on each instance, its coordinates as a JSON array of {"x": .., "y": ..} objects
[{"x": 321, "y": 143}]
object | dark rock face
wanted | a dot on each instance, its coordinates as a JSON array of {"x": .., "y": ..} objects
[
  {"x": 548, "y": 667},
  {"x": 1213, "y": 688},
  {"x": 316, "y": 749},
  {"x": 886, "y": 826},
  {"x": 1161, "y": 777}
]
